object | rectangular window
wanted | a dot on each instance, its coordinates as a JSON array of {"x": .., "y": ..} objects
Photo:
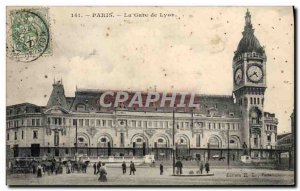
[
  {"x": 7, "y": 136},
  {"x": 56, "y": 138},
  {"x": 122, "y": 139},
  {"x": 80, "y": 122},
  {"x": 35, "y": 134},
  {"x": 87, "y": 122},
  {"x": 133, "y": 123},
  {"x": 109, "y": 123},
  {"x": 57, "y": 121},
  {"x": 16, "y": 135},
  {"x": 92, "y": 122},
  {"x": 269, "y": 138},
  {"x": 64, "y": 121},
  {"x": 198, "y": 141},
  {"x": 22, "y": 134},
  {"x": 98, "y": 122},
  {"x": 67, "y": 151},
  {"x": 255, "y": 141},
  {"x": 103, "y": 123},
  {"x": 38, "y": 122},
  {"x": 33, "y": 122},
  {"x": 74, "y": 122}
]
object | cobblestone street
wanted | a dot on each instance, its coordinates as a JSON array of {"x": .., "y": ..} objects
[{"x": 150, "y": 176}]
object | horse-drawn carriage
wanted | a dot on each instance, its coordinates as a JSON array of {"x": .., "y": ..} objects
[
  {"x": 76, "y": 166},
  {"x": 23, "y": 165}
]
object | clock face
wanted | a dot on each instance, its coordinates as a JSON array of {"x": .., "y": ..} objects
[
  {"x": 238, "y": 76},
  {"x": 254, "y": 73}
]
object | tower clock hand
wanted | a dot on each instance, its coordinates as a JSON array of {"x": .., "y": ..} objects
[{"x": 255, "y": 73}]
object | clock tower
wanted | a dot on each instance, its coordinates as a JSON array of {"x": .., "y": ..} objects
[{"x": 249, "y": 85}]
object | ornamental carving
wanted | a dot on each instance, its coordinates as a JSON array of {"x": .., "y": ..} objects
[
  {"x": 150, "y": 132},
  {"x": 92, "y": 131}
]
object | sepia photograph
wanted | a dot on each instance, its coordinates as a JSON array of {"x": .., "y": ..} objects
[{"x": 150, "y": 96}]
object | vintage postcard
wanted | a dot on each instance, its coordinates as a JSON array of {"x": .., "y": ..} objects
[{"x": 150, "y": 96}]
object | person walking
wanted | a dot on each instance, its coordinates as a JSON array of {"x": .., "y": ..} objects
[
  {"x": 103, "y": 173},
  {"x": 201, "y": 167},
  {"x": 95, "y": 168},
  {"x": 161, "y": 169},
  {"x": 98, "y": 167},
  {"x": 39, "y": 171},
  {"x": 207, "y": 167},
  {"x": 179, "y": 167},
  {"x": 132, "y": 168},
  {"x": 124, "y": 167}
]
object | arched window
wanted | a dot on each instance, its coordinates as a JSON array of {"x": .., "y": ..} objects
[
  {"x": 82, "y": 141},
  {"x": 254, "y": 118},
  {"x": 251, "y": 100},
  {"x": 104, "y": 141},
  {"x": 139, "y": 140},
  {"x": 254, "y": 100},
  {"x": 258, "y": 101},
  {"x": 214, "y": 142}
]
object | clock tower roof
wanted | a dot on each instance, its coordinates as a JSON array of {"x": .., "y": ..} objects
[{"x": 249, "y": 43}]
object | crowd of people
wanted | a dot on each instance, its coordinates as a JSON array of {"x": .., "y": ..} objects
[{"x": 100, "y": 169}]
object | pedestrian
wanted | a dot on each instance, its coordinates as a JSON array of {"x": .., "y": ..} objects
[
  {"x": 124, "y": 167},
  {"x": 179, "y": 167},
  {"x": 68, "y": 166},
  {"x": 207, "y": 167},
  {"x": 95, "y": 168},
  {"x": 39, "y": 171},
  {"x": 33, "y": 169},
  {"x": 103, "y": 173},
  {"x": 132, "y": 168},
  {"x": 98, "y": 167},
  {"x": 161, "y": 169},
  {"x": 201, "y": 167}
]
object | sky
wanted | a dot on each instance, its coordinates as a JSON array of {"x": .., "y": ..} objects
[{"x": 191, "y": 50}]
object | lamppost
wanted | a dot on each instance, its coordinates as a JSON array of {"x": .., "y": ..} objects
[
  {"x": 76, "y": 153},
  {"x": 174, "y": 147},
  {"x": 228, "y": 140}
]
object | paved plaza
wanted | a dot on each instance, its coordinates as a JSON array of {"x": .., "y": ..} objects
[{"x": 151, "y": 176}]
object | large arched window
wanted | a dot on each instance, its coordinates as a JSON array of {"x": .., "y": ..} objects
[
  {"x": 104, "y": 141},
  {"x": 161, "y": 142},
  {"x": 214, "y": 142},
  {"x": 182, "y": 141},
  {"x": 234, "y": 142},
  {"x": 82, "y": 141},
  {"x": 138, "y": 141}
]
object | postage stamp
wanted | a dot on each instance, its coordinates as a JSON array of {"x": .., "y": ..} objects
[{"x": 30, "y": 35}]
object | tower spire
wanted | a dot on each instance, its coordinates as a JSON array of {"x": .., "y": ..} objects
[{"x": 248, "y": 26}]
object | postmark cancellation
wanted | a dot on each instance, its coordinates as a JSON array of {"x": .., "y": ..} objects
[{"x": 29, "y": 35}]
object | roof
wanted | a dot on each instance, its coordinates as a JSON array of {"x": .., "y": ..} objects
[{"x": 87, "y": 100}]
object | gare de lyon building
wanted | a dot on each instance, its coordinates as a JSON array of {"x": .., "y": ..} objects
[{"x": 234, "y": 123}]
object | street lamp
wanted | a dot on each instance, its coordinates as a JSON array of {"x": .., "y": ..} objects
[
  {"x": 174, "y": 147},
  {"x": 228, "y": 140},
  {"x": 76, "y": 140}
]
